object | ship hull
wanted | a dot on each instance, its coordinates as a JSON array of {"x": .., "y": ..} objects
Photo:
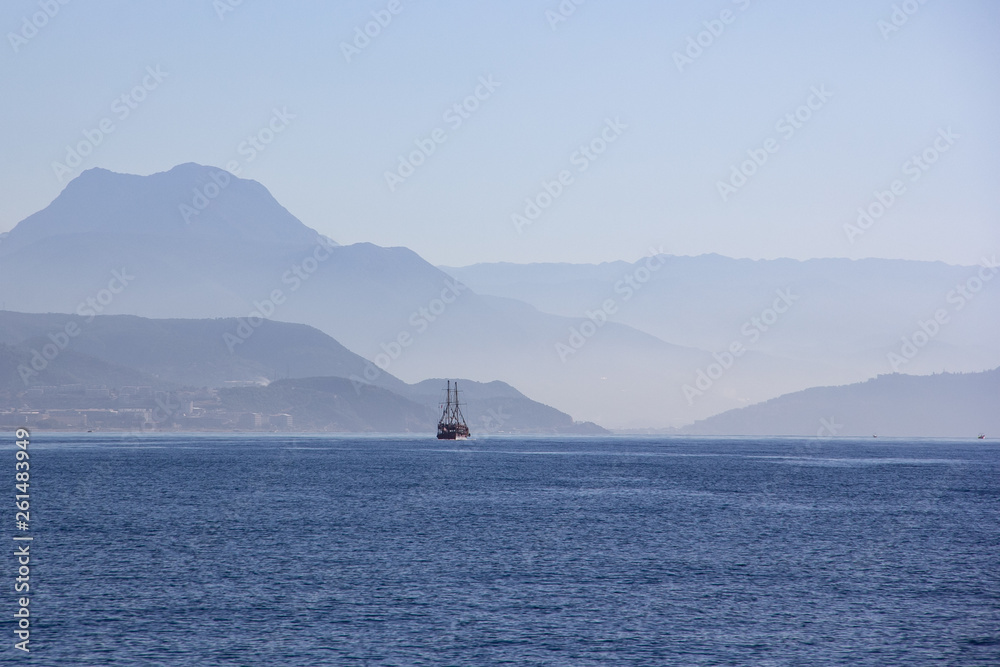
[{"x": 445, "y": 433}]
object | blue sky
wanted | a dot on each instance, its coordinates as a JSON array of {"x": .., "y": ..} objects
[{"x": 554, "y": 87}]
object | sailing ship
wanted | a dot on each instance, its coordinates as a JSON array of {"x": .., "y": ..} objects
[{"x": 452, "y": 425}]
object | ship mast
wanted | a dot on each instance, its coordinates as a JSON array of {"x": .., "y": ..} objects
[
  {"x": 452, "y": 408},
  {"x": 457, "y": 410}
]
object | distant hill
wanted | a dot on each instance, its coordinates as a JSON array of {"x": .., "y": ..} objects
[
  {"x": 333, "y": 404},
  {"x": 73, "y": 368},
  {"x": 301, "y": 371},
  {"x": 179, "y": 352},
  {"x": 944, "y": 405}
]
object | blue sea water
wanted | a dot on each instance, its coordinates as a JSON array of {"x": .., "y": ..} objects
[{"x": 313, "y": 550}]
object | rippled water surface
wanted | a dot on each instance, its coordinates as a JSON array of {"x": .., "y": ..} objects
[{"x": 308, "y": 550}]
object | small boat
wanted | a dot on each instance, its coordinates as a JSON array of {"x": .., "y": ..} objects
[
  {"x": 452, "y": 425},
  {"x": 982, "y": 436}
]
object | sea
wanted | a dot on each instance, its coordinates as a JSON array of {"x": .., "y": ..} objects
[{"x": 237, "y": 549}]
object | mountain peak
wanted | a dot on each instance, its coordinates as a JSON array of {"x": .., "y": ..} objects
[{"x": 190, "y": 201}]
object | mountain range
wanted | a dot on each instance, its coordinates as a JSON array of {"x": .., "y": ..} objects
[{"x": 660, "y": 342}]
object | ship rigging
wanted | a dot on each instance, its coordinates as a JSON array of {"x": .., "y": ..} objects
[{"x": 452, "y": 425}]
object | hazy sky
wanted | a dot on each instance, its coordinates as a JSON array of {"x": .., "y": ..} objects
[{"x": 675, "y": 117}]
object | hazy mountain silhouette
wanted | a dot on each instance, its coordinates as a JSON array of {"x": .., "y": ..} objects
[
  {"x": 73, "y": 368},
  {"x": 176, "y": 204},
  {"x": 235, "y": 252},
  {"x": 334, "y": 404},
  {"x": 847, "y": 312},
  {"x": 125, "y": 350},
  {"x": 196, "y": 353},
  {"x": 847, "y": 316},
  {"x": 943, "y": 405},
  {"x": 362, "y": 295}
]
